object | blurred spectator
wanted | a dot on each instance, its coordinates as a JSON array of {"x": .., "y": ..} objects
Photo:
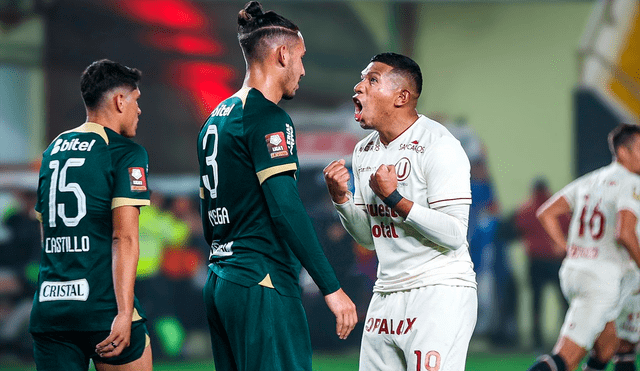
[
  {"x": 544, "y": 262},
  {"x": 158, "y": 230},
  {"x": 19, "y": 257},
  {"x": 187, "y": 265}
]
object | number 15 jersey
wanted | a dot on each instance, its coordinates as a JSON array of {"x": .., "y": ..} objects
[
  {"x": 85, "y": 173},
  {"x": 596, "y": 198}
]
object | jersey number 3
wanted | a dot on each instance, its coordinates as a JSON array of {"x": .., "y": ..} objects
[
  {"x": 59, "y": 184},
  {"x": 211, "y": 186}
]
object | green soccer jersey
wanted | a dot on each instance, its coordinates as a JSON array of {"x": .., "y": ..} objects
[
  {"x": 246, "y": 140},
  {"x": 85, "y": 173}
]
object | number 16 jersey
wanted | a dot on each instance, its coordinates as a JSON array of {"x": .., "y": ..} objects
[
  {"x": 596, "y": 198},
  {"x": 85, "y": 173}
]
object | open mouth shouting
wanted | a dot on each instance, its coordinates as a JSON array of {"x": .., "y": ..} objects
[{"x": 358, "y": 108}]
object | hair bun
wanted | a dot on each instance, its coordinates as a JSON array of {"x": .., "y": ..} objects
[{"x": 251, "y": 10}]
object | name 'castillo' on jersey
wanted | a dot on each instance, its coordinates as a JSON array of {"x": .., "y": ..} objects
[
  {"x": 85, "y": 173},
  {"x": 433, "y": 171},
  {"x": 596, "y": 198},
  {"x": 246, "y": 140}
]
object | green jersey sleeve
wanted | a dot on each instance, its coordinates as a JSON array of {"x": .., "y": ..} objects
[
  {"x": 130, "y": 177},
  {"x": 271, "y": 137},
  {"x": 295, "y": 227}
]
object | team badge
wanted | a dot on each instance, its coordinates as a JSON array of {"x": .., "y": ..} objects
[
  {"x": 403, "y": 169},
  {"x": 276, "y": 145},
  {"x": 137, "y": 179}
]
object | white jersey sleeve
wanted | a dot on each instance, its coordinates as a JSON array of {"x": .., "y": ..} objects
[
  {"x": 446, "y": 226},
  {"x": 353, "y": 214},
  {"x": 449, "y": 181},
  {"x": 629, "y": 199},
  {"x": 356, "y": 221}
]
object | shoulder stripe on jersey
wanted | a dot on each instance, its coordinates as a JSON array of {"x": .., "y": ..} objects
[
  {"x": 124, "y": 201},
  {"x": 266, "y": 173},
  {"x": 39, "y": 216},
  {"x": 450, "y": 199},
  {"x": 87, "y": 127},
  {"x": 242, "y": 94}
]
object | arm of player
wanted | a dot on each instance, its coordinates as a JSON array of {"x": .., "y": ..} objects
[
  {"x": 125, "y": 253},
  {"x": 446, "y": 226},
  {"x": 549, "y": 216},
  {"x": 626, "y": 234},
  {"x": 294, "y": 226},
  {"x": 354, "y": 219},
  {"x": 207, "y": 227}
]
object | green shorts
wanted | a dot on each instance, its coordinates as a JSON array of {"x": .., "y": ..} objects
[
  {"x": 71, "y": 350},
  {"x": 256, "y": 328}
]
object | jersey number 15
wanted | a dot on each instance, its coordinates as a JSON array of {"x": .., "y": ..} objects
[{"x": 59, "y": 184}]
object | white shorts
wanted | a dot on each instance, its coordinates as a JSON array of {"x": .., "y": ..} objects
[
  {"x": 594, "y": 300},
  {"x": 628, "y": 322},
  {"x": 424, "y": 329}
]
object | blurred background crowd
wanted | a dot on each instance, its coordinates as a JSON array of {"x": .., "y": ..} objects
[{"x": 530, "y": 88}]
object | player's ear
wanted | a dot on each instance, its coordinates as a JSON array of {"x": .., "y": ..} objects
[
  {"x": 118, "y": 100},
  {"x": 282, "y": 55},
  {"x": 403, "y": 97}
]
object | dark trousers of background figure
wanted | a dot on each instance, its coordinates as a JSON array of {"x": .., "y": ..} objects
[{"x": 541, "y": 273}]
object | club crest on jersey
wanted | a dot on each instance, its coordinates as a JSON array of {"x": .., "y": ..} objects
[
  {"x": 276, "y": 145},
  {"x": 137, "y": 179},
  {"x": 403, "y": 169}
]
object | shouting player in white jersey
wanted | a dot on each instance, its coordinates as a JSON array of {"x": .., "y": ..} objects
[
  {"x": 411, "y": 205},
  {"x": 599, "y": 272}
]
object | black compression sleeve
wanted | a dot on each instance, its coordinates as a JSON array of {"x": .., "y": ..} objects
[{"x": 294, "y": 226}]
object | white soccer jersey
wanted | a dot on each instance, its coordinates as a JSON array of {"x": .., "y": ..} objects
[
  {"x": 433, "y": 171},
  {"x": 596, "y": 198}
]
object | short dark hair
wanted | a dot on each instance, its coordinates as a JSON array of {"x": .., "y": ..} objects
[
  {"x": 255, "y": 26},
  {"x": 402, "y": 65},
  {"x": 102, "y": 76},
  {"x": 622, "y": 135}
]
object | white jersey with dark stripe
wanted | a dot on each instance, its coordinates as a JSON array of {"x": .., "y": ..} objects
[{"x": 433, "y": 171}]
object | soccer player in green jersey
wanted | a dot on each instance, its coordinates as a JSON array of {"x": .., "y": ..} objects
[
  {"x": 253, "y": 218},
  {"x": 93, "y": 179}
]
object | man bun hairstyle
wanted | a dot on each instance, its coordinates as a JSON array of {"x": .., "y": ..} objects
[
  {"x": 402, "y": 65},
  {"x": 104, "y": 75},
  {"x": 255, "y": 26},
  {"x": 621, "y": 135}
]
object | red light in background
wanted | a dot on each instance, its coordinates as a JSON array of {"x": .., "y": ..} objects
[
  {"x": 186, "y": 44},
  {"x": 208, "y": 83},
  {"x": 178, "y": 14}
]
